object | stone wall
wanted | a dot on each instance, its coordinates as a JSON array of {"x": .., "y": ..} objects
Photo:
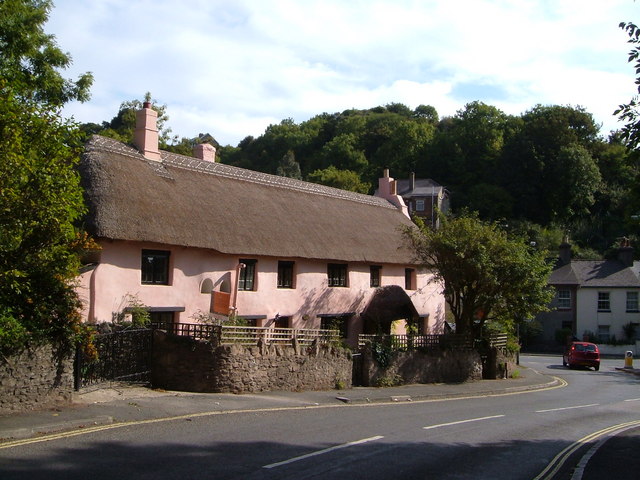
[
  {"x": 182, "y": 363},
  {"x": 35, "y": 378},
  {"x": 441, "y": 366}
]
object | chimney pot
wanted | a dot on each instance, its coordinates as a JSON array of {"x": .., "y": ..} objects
[
  {"x": 625, "y": 252},
  {"x": 565, "y": 252}
]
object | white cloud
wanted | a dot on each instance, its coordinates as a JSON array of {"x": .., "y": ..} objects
[{"x": 231, "y": 68}]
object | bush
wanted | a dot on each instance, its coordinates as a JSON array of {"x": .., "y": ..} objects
[
  {"x": 562, "y": 335},
  {"x": 13, "y": 335}
]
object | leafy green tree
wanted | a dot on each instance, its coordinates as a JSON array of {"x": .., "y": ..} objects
[
  {"x": 572, "y": 181},
  {"x": 40, "y": 194},
  {"x": 30, "y": 60},
  {"x": 342, "y": 152},
  {"x": 40, "y": 199},
  {"x": 487, "y": 276},
  {"x": 630, "y": 112},
  {"x": 122, "y": 126},
  {"x": 533, "y": 158},
  {"x": 288, "y": 166},
  {"x": 343, "y": 179},
  {"x": 426, "y": 112}
]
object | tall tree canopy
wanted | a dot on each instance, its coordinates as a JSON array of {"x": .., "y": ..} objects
[
  {"x": 487, "y": 276},
  {"x": 30, "y": 59},
  {"x": 40, "y": 194},
  {"x": 630, "y": 112}
]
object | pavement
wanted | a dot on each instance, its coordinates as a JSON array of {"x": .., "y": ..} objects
[{"x": 123, "y": 403}]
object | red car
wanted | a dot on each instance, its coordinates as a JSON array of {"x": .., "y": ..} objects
[{"x": 582, "y": 354}]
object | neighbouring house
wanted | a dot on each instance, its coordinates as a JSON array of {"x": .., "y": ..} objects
[
  {"x": 593, "y": 298},
  {"x": 423, "y": 197},
  {"x": 187, "y": 237}
]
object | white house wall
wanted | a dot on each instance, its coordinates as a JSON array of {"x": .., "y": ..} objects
[{"x": 589, "y": 319}]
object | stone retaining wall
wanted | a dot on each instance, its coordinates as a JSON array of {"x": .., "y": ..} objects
[
  {"x": 442, "y": 366},
  {"x": 182, "y": 363},
  {"x": 37, "y": 377}
]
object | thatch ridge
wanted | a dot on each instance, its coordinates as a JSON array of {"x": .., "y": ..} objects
[{"x": 189, "y": 202}]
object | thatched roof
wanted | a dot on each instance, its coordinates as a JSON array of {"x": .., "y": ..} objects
[{"x": 189, "y": 202}]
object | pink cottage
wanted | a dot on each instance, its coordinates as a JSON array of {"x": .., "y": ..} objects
[{"x": 189, "y": 237}]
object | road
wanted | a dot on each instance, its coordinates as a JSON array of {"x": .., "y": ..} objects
[{"x": 516, "y": 436}]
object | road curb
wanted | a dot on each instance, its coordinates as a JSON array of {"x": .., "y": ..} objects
[{"x": 47, "y": 429}]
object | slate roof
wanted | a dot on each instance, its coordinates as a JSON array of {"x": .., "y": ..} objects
[
  {"x": 423, "y": 187},
  {"x": 597, "y": 274},
  {"x": 189, "y": 202}
]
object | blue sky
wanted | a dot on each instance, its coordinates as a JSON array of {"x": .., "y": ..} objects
[{"x": 232, "y": 67}]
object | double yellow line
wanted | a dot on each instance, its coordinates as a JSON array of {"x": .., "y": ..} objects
[{"x": 562, "y": 457}]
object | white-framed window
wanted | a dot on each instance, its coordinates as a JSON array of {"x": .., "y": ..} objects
[
  {"x": 564, "y": 299},
  {"x": 604, "y": 302},
  {"x": 419, "y": 205},
  {"x": 632, "y": 301}
]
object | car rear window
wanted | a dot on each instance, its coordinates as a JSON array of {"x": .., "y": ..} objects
[{"x": 579, "y": 347}]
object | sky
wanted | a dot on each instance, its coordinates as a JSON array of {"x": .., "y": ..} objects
[{"x": 231, "y": 68}]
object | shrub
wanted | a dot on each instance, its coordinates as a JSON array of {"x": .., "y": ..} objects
[{"x": 13, "y": 335}]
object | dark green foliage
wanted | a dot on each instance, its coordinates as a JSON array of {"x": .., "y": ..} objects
[
  {"x": 487, "y": 276},
  {"x": 40, "y": 194},
  {"x": 30, "y": 60},
  {"x": 630, "y": 112}
]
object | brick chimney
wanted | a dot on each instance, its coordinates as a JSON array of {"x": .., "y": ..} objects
[
  {"x": 145, "y": 136},
  {"x": 205, "y": 151},
  {"x": 625, "y": 252},
  {"x": 387, "y": 190},
  {"x": 565, "y": 251}
]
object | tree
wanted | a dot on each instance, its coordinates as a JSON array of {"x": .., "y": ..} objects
[
  {"x": 343, "y": 179},
  {"x": 40, "y": 199},
  {"x": 487, "y": 276},
  {"x": 122, "y": 126},
  {"x": 40, "y": 194},
  {"x": 630, "y": 112},
  {"x": 288, "y": 167},
  {"x": 30, "y": 60}
]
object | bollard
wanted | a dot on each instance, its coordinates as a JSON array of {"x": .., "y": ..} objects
[{"x": 628, "y": 359}]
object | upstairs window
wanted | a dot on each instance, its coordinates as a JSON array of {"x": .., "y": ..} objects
[
  {"x": 419, "y": 205},
  {"x": 604, "y": 304},
  {"x": 246, "y": 280},
  {"x": 632, "y": 302},
  {"x": 409, "y": 279},
  {"x": 374, "y": 276},
  {"x": 564, "y": 299},
  {"x": 337, "y": 274},
  {"x": 285, "y": 274},
  {"x": 155, "y": 267}
]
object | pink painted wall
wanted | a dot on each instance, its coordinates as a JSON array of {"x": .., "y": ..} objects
[{"x": 105, "y": 288}]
